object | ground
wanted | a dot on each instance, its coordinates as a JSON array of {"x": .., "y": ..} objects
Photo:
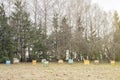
[{"x": 76, "y": 71}]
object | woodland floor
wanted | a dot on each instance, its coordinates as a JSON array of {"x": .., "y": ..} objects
[{"x": 76, "y": 71}]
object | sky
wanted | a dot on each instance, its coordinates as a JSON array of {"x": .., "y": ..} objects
[{"x": 109, "y": 5}]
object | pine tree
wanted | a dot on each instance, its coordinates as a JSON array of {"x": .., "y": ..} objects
[
  {"x": 21, "y": 24},
  {"x": 64, "y": 37},
  {"x": 7, "y": 45},
  {"x": 39, "y": 39}
]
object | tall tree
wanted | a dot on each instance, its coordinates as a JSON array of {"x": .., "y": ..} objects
[
  {"x": 116, "y": 40},
  {"x": 7, "y": 45},
  {"x": 21, "y": 24},
  {"x": 64, "y": 37},
  {"x": 55, "y": 25}
]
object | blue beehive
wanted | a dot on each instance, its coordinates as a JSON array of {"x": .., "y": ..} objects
[
  {"x": 8, "y": 62},
  {"x": 70, "y": 61}
]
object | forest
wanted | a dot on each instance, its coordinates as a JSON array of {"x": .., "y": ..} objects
[{"x": 49, "y": 29}]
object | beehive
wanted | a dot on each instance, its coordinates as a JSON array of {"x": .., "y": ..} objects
[
  {"x": 112, "y": 62},
  {"x": 8, "y": 62},
  {"x": 96, "y": 61},
  {"x": 86, "y": 62},
  {"x": 46, "y": 63},
  {"x": 34, "y": 62},
  {"x": 43, "y": 60},
  {"x": 70, "y": 61},
  {"x": 60, "y": 61}
]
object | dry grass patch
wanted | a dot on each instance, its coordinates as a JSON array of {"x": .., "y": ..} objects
[{"x": 76, "y": 71}]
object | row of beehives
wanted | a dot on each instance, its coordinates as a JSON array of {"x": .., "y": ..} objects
[
  {"x": 70, "y": 61},
  {"x": 15, "y": 60}
]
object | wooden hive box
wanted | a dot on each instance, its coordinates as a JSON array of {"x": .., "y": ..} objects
[
  {"x": 8, "y": 62},
  {"x": 96, "y": 61},
  {"x": 86, "y": 62},
  {"x": 60, "y": 61},
  {"x": 70, "y": 61},
  {"x": 34, "y": 62},
  {"x": 46, "y": 63},
  {"x": 112, "y": 62}
]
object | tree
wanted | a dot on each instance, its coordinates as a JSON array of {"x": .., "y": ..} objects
[
  {"x": 116, "y": 38},
  {"x": 38, "y": 41},
  {"x": 7, "y": 45},
  {"x": 64, "y": 37},
  {"x": 21, "y": 24},
  {"x": 56, "y": 26}
]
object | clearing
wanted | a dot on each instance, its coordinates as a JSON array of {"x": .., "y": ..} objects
[{"x": 76, "y": 71}]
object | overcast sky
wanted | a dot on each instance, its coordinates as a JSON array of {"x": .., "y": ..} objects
[{"x": 109, "y": 4}]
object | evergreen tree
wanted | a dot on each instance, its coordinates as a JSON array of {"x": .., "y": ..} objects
[
  {"x": 39, "y": 39},
  {"x": 21, "y": 24},
  {"x": 7, "y": 45},
  {"x": 65, "y": 36}
]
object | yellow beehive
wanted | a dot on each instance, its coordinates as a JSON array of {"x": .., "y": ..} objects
[
  {"x": 60, "y": 61},
  {"x": 112, "y": 62},
  {"x": 86, "y": 62},
  {"x": 34, "y": 62}
]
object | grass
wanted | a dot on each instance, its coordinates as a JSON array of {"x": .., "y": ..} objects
[{"x": 54, "y": 71}]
